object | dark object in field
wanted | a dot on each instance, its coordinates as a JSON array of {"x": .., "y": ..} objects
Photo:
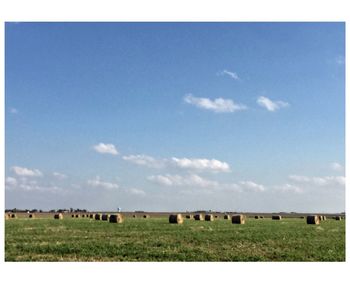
[
  {"x": 337, "y": 218},
  {"x": 83, "y": 215},
  {"x": 261, "y": 216},
  {"x": 116, "y": 218},
  {"x": 209, "y": 217},
  {"x": 105, "y": 217},
  {"x": 31, "y": 216},
  {"x": 97, "y": 216},
  {"x": 72, "y": 215},
  {"x": 58, "y": 216},
  {"x": 216, "y": 216},
  {"x": 13, "y": 215},
  {"x": 176, "y": 219},
  {"x": 92, "y": 215},
  {"x": 313, "y": 219},
  {"x": 189, "y": 216},
  {"x": 198, "y": 217},
  {"x": 276, "y": 217},
  {"x": 146, "y": 216},
  {"x": 302, "y": 217},
  {"x": 77, "y": 216},
  {"x": 238, "y": 219},
  {"x": 134, "y": 216},
  {"x": 256, "y": 217},
  {"x": 227, "y": 217}
]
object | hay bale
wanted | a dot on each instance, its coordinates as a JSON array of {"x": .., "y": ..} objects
[
  {"x": 338, "y": 218},
  {"x": 116, "y": 218},
  {"x": 324, "y": 218},
  {"x": 146, "y": 216},
  {"x": 261, "y": 216},
  {"x": 256, "y": 216},
  {"x": 92, "y": 216},
  {"x": 13, "y": 215},
  {"x": 83, "y": 215},
  {"x": 216, "y": 216},
  {"x": 176, "y": 219},
  {"x": 31, "y": 215},
  {"x": 227, "y": 217},
  {"x": 189, "y": 216},
  {"x": 238, "y": 219},
  {"x": 134, "y": 216},
  {"x": 198, "y": 217},
  {"x": 77, "y": 216},
  {"x": 313, "y": 219},
  {"x": 209, "y": 217},
  {"x": 276, "y": 217},
  {"x": 97, "y": 216},
  {"x": 7, "y": 216},
  {"x": 302, "y": 217},
  {"x": 58, "y": 216},
  {"x": 105, "y": 217},
  {"x": 73, "y": 215}
]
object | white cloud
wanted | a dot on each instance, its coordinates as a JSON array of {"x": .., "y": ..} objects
[
  {"x": 289, "y": 188},
  {"x": 105, "y": 148},
  {"x": 320, "y": 181},
  {"x": 201, "y": 164},
  {"x": 97, "y": 183},
  {"x": 180, "y": 181},
  {"x": 137, "y": 192},
  {"x": 144, "y": 160},
  {"x": 271, "y": 105},
  {"x": 59, "y": 175},
  {"x": 250, "y": 185},
  {"x": 336, "y": 166},
  {"x": 22, "y": 171},
  {"x": 10, "y": 181},
  {"x": 218, "y": 105},
  {"x": 232, "y": 75}
]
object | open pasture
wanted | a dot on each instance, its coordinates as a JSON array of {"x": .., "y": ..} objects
[{"x": 154, "y": 239}]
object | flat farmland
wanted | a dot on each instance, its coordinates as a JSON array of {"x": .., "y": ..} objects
[{"x": 154, "y": 239}]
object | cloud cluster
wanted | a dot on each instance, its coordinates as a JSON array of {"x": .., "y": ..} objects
[
  {"x": 22, "y": 171},
  {"x": 218, "y": 105},
  {"x": 319, "y": 181},
  {"x": 271, "y": 105},
  {"x": 98, "y": 183},
  {"x": 232, "y": 75},
  {"x": 105, "y": 148},
  {"x": 201, "y": 164},
  {"x": 179, "y": 181},
  {"x": 144, "y": 160}
]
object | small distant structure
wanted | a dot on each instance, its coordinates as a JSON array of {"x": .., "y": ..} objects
[{"x": 119, "y": 209}]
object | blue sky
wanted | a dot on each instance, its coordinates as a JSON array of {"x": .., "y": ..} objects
[{"x": 175, "y": 116}]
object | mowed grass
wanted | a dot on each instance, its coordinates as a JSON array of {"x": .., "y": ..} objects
[{"x": 155, "y": 239}]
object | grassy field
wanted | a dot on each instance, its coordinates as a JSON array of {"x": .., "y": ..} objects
[{"x": 155, "y": 239}]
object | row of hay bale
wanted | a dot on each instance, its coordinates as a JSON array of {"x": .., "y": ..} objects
[{"x": 178, "y": 219}]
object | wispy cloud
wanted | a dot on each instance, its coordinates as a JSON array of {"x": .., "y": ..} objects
[
  {"x": 98, "y": 183},
  {"x": 22, "y": 171},
  {"x": 144, "y": 160},
  {"x": 319, "y": 181},
  {"x": 13, "y": 111},
  {"x": 250, "y": 185},
  {"x": 336, "y": 166},
  {"x": 136, "y": 192},
  {"x": 24, "y": 184},
  {"x": 288, "y": 188},
  {"x": 105, "y": 148},
  {"x": 59, "y": 175},
  {"x": 218, "y": 105},
  {"x": 180, "y": 181},
  {"x": 232, "y": 75},
  {"x": 201, "y": 164},
  {"x": 271, "y": 105}
]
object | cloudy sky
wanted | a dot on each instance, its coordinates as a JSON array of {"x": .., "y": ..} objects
[{"x": 175, "y": 116}]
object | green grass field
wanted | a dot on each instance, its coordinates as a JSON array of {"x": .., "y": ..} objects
[{"x": 156, "y": 240}]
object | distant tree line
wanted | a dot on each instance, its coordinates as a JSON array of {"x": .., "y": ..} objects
[{"x": 60, "y": 210}]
